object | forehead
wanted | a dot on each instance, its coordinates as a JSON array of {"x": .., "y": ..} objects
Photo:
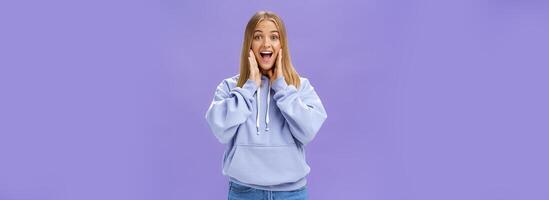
[{"x": 266, "y": 26}]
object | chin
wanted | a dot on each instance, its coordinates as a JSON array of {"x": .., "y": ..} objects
[{"x": 266, "y": 68}]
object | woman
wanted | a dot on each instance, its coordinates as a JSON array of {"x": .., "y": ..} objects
[{"x": 265, "y": 115}]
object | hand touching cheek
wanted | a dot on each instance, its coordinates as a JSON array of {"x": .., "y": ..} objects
[
  {"x": 254, "y": 70},
  {"x": 278, "y": 67}
]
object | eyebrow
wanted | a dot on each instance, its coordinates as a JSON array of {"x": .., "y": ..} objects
[{"x": 275, "y": 31}]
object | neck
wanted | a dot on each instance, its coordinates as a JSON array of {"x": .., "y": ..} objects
[{"x": 268, "y": 73}]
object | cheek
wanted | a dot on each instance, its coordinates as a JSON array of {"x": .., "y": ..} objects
[
  {"x": 255, "y": 49},
  {"x": 276, "y": 46},
  {"x": 257, "y": 43}
]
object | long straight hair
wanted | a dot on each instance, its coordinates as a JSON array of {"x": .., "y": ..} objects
[{"x": 290, "y": 74}]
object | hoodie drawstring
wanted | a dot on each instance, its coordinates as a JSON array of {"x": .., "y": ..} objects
[{"x": 258, "y": 98}]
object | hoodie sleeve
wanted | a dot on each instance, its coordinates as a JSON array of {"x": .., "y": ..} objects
[
  {"x": 229, "y": 109},
  {"x": 302, "y": 109}
]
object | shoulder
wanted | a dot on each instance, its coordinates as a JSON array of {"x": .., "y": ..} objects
[
  {"x": 229, "y": 83},
  {"x": 305, "y": 83}
]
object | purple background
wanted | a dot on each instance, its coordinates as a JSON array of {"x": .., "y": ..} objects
[{"x": 426, "y": 100}]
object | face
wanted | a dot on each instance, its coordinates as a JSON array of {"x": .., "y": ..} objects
[{"x": 265, "y": 44}]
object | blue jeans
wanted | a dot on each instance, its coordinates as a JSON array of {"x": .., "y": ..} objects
[{"x": 241, "y": 192}]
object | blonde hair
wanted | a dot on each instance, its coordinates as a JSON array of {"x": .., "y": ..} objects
[{"x": 290, "y": 74}]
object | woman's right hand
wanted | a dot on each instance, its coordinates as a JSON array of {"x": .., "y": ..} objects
[{"x": 254, "y": 70}]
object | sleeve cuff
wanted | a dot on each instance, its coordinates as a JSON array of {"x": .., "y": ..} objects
[{"x": 279, "y": 84}]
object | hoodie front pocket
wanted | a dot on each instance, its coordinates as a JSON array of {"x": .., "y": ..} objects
[{"x": 268, "y": 165}]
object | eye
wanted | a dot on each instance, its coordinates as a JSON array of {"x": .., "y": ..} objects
[
  {"x": 257, "y": 37},
  {"x": 274, "y": 37}
]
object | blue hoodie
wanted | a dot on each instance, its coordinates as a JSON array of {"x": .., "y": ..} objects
[{"x": 265, "y": 129}]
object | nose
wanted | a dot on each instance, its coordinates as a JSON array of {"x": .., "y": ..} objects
[{"x": 266, "y": 43}]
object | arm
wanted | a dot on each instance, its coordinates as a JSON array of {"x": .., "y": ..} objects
[
  {"x": 229, "y": 109},
  {"x": 302, "y": 109}
]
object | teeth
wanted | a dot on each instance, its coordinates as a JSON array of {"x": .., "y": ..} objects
[{"x": 266, "y": 52}]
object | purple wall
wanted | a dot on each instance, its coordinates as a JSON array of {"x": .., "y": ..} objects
[{"x": 426, "y": 100}]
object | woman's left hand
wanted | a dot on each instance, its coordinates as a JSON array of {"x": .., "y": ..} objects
[{"x": 278, "y": 67}]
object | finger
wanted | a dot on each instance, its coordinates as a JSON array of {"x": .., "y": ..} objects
[
  {"x": 279, "y": 56},
  {"x": 252, "y": 61},
  {"x": 251, "y": 54},
  {"x": 278, "y": 60}
]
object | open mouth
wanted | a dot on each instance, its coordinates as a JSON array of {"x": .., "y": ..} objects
[{"x": 266, "y": 56}]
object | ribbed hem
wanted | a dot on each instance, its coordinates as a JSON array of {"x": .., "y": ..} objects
[{"x": 282, "y": 187}]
